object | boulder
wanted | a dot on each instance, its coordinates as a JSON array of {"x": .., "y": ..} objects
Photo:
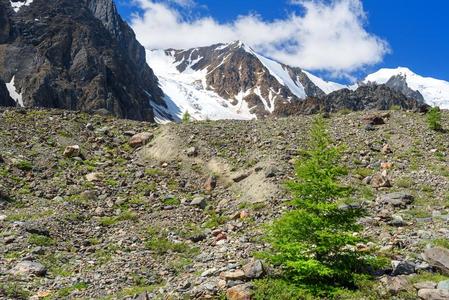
[
  {"x": 398, "y": 199},
  {"x": 239, "y": 292},
  {"x": 380, "y": 180},
  {"x": 438, "y": 258},
  {"x": 29, "y": 268},
  {"x": 444, "y": 285},
  {"x": 402, "y": 268},
  {"x": 140, "y": 139},
  {"x": 433, "y": 294},
  {"x": 254, "y": 269},
  {"x": 94, "y": 177},
  {"x": 72, "y": 151},
  {"x": 233, "y": 275},
  {"x": 199, "y": 201},
  {"x": 425, "y": 285}
]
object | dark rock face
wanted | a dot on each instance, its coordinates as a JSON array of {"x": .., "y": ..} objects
[
  {"x": 232, "y": 69},
  {"x": 77, "y": 55},
  {"x": 399, "y": 83},
  {"x": 5, "y": 99},
  {"x": 368, "y": 97}
]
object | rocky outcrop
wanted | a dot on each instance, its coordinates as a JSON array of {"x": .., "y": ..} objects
[
  {"x": 77, "y": 55},
  {"x": 399, "y": 83},
  {"x": 5, "y": 99},
  {"x": 366, "y": 97}
]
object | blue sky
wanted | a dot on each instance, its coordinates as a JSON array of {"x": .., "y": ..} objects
[{"x": 416, "y": 32}]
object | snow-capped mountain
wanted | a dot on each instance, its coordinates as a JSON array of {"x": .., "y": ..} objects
[
  {"x": 229, "y": 81},
  {"x": 434, "y": 92}
]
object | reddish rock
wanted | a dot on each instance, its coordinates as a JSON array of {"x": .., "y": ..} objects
[
  {"x": 239, "y": 292},
  {"x": 140, "y": 139}
]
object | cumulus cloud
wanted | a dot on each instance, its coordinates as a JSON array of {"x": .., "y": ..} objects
[{"x": 327, "y": 36}]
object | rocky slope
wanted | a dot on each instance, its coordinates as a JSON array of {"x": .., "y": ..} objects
[
  {"x": 77, "y": 55},
  {"x": 94, "y": 207}
]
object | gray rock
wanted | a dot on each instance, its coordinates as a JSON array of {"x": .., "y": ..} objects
[
  {"x": 199, "y": 201},
  {"x": 29, "y": 268},
  {"x": 36, "y": 229},
  {"x": 192, "y": 152},
  {"x": 444, "y": 285},
  {"x": 433, "y": 294},
  {"x": 397, "y": 221},
  {"x": 254, "y": 269},
  {"x": 438, "y": 258},
  {"x": 271, "y": 171},
  {"x": 397, "y": 199},
  {"x": 425, "y": 285}
]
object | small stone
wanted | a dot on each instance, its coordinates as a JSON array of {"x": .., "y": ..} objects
[
  {"x": 211, "y": 183},
  {"x": 233, "y": 275},
  {"x": 433, "y": 294},
  {"x": 271, "y": 171},
  {"x": 373, "y": 120},
  {"x": 72, "y": 151},
  {"x": 209, "y": 272},
  {"x": 192, "y": 152},
  {"x": 239, "y": 292},
  {"x": 397, "y": 221},
  {"x": 95, "y": 176},
  {"x": 379, "y": 180},
  {"x": 89, "y": 195},
  {"x": 239, "y": 177},
  {"x": 386, "y": 149},
  {"x": 29, "y": 268},
  {"x": 199, "y": 201},
  {"x": 254, "y": 269},
  {"x": 140, "y": 139}
]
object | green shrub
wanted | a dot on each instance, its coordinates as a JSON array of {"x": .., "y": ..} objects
[
  {"x": 186, "y": 117},
  {"x": 40, "y": 240},
  {"x": 314, "y": 244},
  {"x": 434, "y": 118}
]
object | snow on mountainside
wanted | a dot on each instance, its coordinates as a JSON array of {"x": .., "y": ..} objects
[
  {"x": 434, "y": 91},
  {"x": 229, "y": 81},
  {"x": 184, "y": 92}
]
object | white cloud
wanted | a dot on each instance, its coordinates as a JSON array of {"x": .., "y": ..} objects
[{"x": 328, "y": 36}]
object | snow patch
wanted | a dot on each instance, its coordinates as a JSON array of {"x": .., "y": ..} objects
[
  {"x": 13, "y": 92},
  {"x": 326, "y": 86},
  {"x": 282, "y": 75},
  {"x": 434, "y": 91},
  {"x": 16, "y": 6}
]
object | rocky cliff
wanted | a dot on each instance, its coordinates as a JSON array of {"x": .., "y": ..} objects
[
  {"x": 5, "y": 99},
  {"x": 366, "y": 97},
  {"x": 77, "y": 55}
]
